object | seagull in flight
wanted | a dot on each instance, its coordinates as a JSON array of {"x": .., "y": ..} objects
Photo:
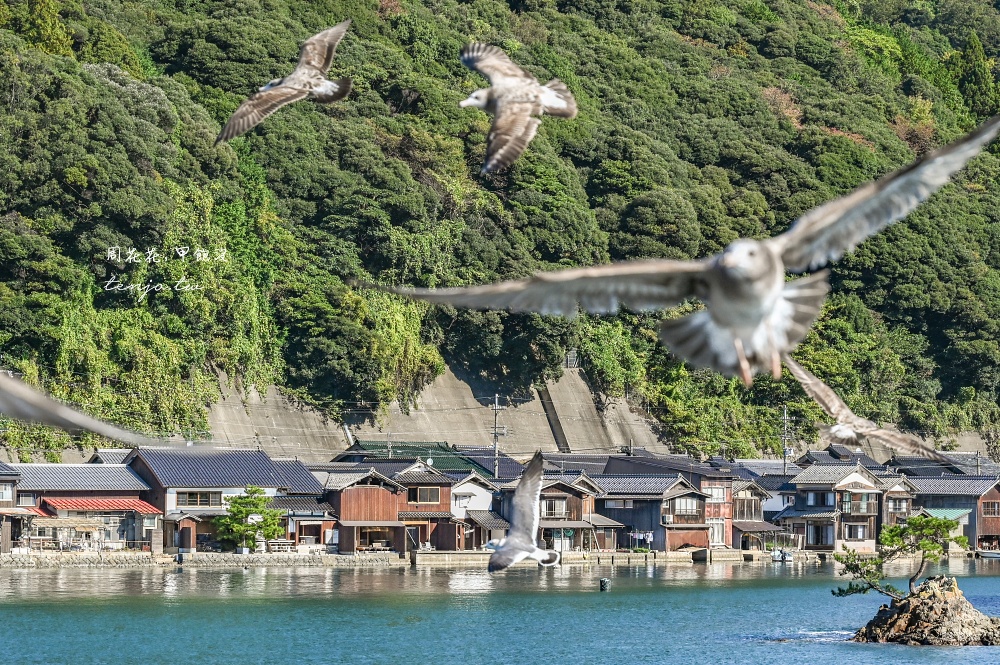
[
  {"x": 307, "y": 80},
  {"x": 514, "y": 97},
  {"x": 20, "y": 401},
  {"x": 849, "y": 427},
  {"x": 520, "y": 541},
  {"x": 751, "y": 315}
]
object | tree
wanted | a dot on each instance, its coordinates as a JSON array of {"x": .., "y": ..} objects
[
  {"x": 247, "y": 516},
  {"x": 926, "y": 536}
]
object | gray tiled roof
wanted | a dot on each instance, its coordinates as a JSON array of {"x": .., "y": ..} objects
[
  {"x": 954, "y": 484},
  {"x": 668, "y": 464},
  {"x": 488, "y": 519},
  {"x": 826, "y": 457},
  {"x": 344, "y": 478},
  {"x": 424, "y": 515},
  {"x": 298, "y": 479},
  {"x": 634, "y": 485},
  {"x": 79, "y": 477},
  {"x": 819, "y": 512},
  {"x": 110, "y": 455},
  {"x": 7, "y": 470},
  {"x": 507, "y": 466},
  {"x": 300, "y": 504},
  {"x": 760, "y": 467},
  {"x": 212, "y": 467},
  {"x": 741, "y": 484},
  {"x": 774, "y": 482},
  {"x": 592, "y": 464},
  {"x": 423, "y": 478},
  {"x": 819, "y": 474}
]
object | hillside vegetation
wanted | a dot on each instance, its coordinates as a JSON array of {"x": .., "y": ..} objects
[{"x": 700, "y": 121}]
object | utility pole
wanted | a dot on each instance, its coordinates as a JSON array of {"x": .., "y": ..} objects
[
  {"x": 496, "y": 435},
  {"x": 388, "y": 443},
  {"x": 784, "y": 439}
]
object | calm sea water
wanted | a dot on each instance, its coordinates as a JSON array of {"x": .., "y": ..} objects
[{"x": 762, "y": 613}]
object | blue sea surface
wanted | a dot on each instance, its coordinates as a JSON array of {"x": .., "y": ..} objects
[{"x": 715, "y": 613}]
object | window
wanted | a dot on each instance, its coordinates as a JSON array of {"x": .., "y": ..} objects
[
  {"x": 716, "y": 494},
  {"x": 554, "y": 508},
  {"x": 898, "y": 505},
  {"x": 462, "y": 500},
  {"x": 199, "y": 499},
  {"x": 25, "y": 499},
  {"x": 991, "y": 508},
  {"x": 685, "y": 506},
  {"x": 6, "y": 492},
  {"x": 821, "y": 498},
  {"x": 855, "y": 531},
  {"x": 149, "y": 521},
  {"x": 618, "y": 503},
  {"x": 423, "y": 495},
  {"x": 716, "y": 530}
]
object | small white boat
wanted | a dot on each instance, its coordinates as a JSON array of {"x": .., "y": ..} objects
[
  {"x": 988, "y": 554},
  {"x": 781, "y": 556}
]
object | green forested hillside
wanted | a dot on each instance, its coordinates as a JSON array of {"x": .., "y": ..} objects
[{"x": 700, "y": 121}]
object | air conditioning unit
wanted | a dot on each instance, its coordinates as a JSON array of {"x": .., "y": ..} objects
[{"x": 666, "y": 519}]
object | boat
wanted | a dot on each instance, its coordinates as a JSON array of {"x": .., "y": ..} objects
[
  {"x": 988, "y": 554},
  {"x": 781, "y": 556}
]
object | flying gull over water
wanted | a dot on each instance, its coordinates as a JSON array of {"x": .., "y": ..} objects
[
  {"x": 20, "y": 401},
  {"x": 849, "y": 427},
  {"x": 752, "y": 315},
  {"x": 307, "y": 80},
  {"x": 514, "y": 98},
  {"x": 520, "y": 541}
]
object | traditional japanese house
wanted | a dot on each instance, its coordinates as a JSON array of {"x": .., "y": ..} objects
[
  {"x": 716, "y": 482},
  {"x": 565, "y": 502},
  {"x": 839, "y": 454},
  {"x": 836, "y": 507},
  {"x": 86, "y": 506},
  {"x": 978, "y": 495},
  {"x": 750, "y": 530},
  {"x": 472, "y": 503},
  {"x": 11, "y": 517},
  {"x": 191, "y": 485},
  {"x": 367, "y": 507},
  {"x": 425, "y": 507},
  {"x": 782, "y": 492},
  {"x": 959, "y": 463},
  {"x": 308, "y": 518},
  {"x": 682, "y": 515},
  {"x": 637, "y": 503},
  {"x": 109, "y": 456},
  {"x": 897, "y": 499}
]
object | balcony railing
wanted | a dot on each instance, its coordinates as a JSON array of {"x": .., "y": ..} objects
[{"x": 859, "y": 507}]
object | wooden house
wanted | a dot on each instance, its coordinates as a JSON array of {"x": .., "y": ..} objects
[
  {"x": 11, "y": 517},
  {"x": 836, "y": 507},
  {"x": 425, "y": 506},
  {"x": 715, "y": 482},
  {"x": 309, "y": 520},
  {"x": 566, "y": 500},
  {"x": 191, "y": 485},
  {"x": 896, "y": 500},
  {"x": 640, "y": 503},
  {"x": 472, "y": 503},
  {"x": 976, "y": 496},
  {"x": 86, "y": 506},
  {"x": 366, "y": 504},
  {"x": 750, "y": 530}
]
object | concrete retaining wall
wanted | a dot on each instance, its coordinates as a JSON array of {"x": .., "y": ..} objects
[
  {"x": 480, "y": 559},
  {"x": 77, "y": 560},
  {"x": 217, "y": 560}
]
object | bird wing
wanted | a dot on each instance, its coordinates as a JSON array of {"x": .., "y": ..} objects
[
  {"x": 823, "y": 394},
  {"x": 505, "y": 557},
  {"x": 251, "y": 112},
  {"x": 494, "y": 64},
  {"x": 638, "y": 285},
  {"x": 317, "y": 52},
  {"x": 903, "y": 443},
  {"x": 825, "y": 233},
  {"x": 21, "y": 401},
  {"x": 512, "y": 131},
  {"x": 524, "y": 521}
]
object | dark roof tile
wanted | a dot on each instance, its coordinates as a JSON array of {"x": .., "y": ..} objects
[
  {"x": 79, "y": 477},
  {"x": 213, "y": 467},
  {"x": 298, "y": 479}
]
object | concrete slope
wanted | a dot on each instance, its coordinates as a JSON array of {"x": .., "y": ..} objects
[
  {"x": 274, "y": 423},
  {"x": 449, "y": 410}
]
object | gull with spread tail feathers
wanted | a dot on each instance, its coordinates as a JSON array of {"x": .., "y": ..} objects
[
  {"x": 752, "y": 315},
  {"x": 20, "y": 401},
  {"x": 514, "y": 98},
  {"x": 520, "y": 541},
  {"x": 849, "y": 427},
  {"x": 307, "y": 80}
]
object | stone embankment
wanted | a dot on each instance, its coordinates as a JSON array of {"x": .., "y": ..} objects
[
  {"x": 937, "y": 614},
  {"x": 199, "y": 560},
  {"x": 85, "y": 560}
]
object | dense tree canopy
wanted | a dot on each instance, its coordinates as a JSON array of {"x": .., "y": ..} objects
[{"x": 700, "y": 121}]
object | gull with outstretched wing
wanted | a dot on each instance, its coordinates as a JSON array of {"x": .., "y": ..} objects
[
  {"x": 514, "y": 98},
  {"x": 20, "y": 401},
  {"x": 307, "y": 80},
  {"x": 520, "y": 541},
  {"x": 751, "y": 315},
  {"x": 850, "y": 427}
]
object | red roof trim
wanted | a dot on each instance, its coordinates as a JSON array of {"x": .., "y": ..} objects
[{"x": 137, "y": 505}]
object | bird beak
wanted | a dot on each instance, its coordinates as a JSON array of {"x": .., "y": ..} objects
[{"x": 466, "y": 102}]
